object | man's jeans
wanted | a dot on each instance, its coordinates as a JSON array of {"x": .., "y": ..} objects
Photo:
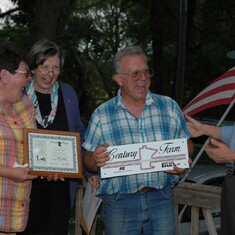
[{"x": 149, "y": 213}]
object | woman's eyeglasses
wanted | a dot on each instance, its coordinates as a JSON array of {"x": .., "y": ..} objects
[
  {"x": 46, "y": 71},
  {"x": 27, "y": 72}
]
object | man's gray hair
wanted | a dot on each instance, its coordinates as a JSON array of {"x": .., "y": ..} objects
[{"x": 127, "y": 51}]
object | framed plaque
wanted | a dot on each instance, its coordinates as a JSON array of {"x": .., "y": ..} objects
[{"x": 53, "y": 152}]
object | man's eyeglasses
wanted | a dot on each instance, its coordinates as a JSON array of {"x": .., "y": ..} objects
[
  {"x": 27, "y": 72},
  {"x": 148, "y": 73},
  {"x": 46, "y": 71}
]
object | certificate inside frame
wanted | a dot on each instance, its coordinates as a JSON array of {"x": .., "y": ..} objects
[{"x": 49, "y": 152}]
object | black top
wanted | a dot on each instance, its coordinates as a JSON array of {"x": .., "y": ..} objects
[{"x": 60, "y": 121}]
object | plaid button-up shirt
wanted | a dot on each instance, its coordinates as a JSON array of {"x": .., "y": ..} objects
[
  {"x": 112, "y": 123},
  {"x": 14, "y": 197}
]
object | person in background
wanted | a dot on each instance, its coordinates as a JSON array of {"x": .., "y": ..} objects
[
  {"x": 56, "y": 106},
  {"x": 16, "y": 113},
  {"x": 221, "y": 149},
  {"x": 140, "y": 203}
]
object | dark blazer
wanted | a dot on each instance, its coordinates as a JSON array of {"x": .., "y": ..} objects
[{"x": 75, "y": 125}]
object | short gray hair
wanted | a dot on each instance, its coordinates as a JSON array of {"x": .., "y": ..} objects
[
  {"x": 127, "y": 51},
  {"x": 42, "y": 50}
]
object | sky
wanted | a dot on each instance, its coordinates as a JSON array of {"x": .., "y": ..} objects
[{"x": 5, "y": 5}]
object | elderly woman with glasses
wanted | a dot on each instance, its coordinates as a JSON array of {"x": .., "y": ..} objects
[
  {"x": 16, "y": 113},
  {"x": 56, "y": 106}
]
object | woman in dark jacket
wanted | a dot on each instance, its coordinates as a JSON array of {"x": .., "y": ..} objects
[{"x": 56, "y": 106}]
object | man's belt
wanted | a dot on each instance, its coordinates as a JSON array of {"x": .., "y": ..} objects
[{"x": 147, "y": 189}]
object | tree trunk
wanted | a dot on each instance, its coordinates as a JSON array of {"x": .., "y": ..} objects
[
  {"x": 156, "y": 24},
  {"x": 47, "y": 18}
]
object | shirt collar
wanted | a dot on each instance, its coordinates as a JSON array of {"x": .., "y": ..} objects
[{"x": 148, "y": 101}]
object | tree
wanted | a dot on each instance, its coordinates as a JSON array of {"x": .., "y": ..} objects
[{"x": 91, "y": 32}]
